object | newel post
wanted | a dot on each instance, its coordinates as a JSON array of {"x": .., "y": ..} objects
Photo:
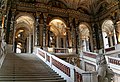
[{"x": 72, "y": 74}]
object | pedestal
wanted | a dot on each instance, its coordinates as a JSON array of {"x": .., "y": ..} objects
[{"x": 89, "y": 77}]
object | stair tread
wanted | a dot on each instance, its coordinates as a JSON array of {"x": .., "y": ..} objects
[{"x": 27, "y": 68}]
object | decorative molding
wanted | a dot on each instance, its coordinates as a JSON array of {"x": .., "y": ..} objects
[{"x": 44, "y": 8}]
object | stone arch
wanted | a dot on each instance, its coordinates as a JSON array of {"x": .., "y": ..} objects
[
  {"x": 85, "y": 36},
  {"x": 25, "y": 14},
  {"x": 62, "y": 21},
  {"x": 59, "y": 29},
  {"x": 108, "y": 32},
  {"x": 59, "y": 19},
  {"x": 24, "y": 29}
]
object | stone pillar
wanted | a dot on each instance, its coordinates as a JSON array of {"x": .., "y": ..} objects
[
  {"x": 37, "y": 30},
  {"x": 68, "y": 37},
  {"x": 27, "y": 45},
  {"x": 64, "y": 42},
  {"x": 41, "y": 35},
  {"x": 29, "y": 50},
  {"x": 71, "y": 31},
  {"x": 97, "y": 37},
  {"x": 84, "y": 44},
  {"x": 87, "y": 45},
  {"x": 12, "y": 29},
  {"x": 47, "y": 36},
  {"x": 57, "y": 41},
  {"x": 116, "y": 25},
  {"x": 45, "y": 15},
  {"x": 77, "y": 35},
  {"x": 111, "y": 41}
]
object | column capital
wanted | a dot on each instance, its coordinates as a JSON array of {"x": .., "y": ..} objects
[
  {"x": 70, "y": 19},
  {"x": 76, "y": 21},
  {"x": 45, "y": 15},
  {"x": 38, "y": 14},
  {"x": 13, "y": 11}
]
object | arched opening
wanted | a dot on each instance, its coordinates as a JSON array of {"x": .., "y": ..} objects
[
  {"x": 109, "y": 35},
  {"x": 24, "y": 34},
  {"x": 84, "y": 37},
  {"x": 58, "y": 32}
]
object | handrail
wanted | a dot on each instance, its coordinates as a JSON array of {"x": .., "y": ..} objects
[
  {"x": 69, "y": 72},
  {"x": 113, "y": 62}
]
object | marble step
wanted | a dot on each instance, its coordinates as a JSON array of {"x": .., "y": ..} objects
[
  {"x": 30, "y": 78},
  {"x": 34, "y": 81},
  {"x": 19, "y": 75}
]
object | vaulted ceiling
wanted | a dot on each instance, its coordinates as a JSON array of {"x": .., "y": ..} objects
[
  {"x": 77, "y": 3},
  {"x": 90, "y": 7},
  {"x": 74, "y": 4}
]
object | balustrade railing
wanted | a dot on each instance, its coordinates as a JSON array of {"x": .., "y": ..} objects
[
  {"x": 113, "y": 62},
  {"x": 67, "y": 71},
  {"x": 72, "y": 73}
]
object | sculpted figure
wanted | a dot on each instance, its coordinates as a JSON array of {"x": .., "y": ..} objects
[{"x": 105, "y": 74}]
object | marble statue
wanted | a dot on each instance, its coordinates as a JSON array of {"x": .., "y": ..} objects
[{"x": 105, "y": 74}]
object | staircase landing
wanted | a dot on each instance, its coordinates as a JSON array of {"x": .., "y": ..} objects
[{"x": 27, "y": 68}]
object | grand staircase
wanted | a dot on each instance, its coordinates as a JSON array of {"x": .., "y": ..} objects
[{"x": 26, "y": 68}]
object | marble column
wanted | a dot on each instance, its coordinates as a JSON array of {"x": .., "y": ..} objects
[
  {"x": 57, "y": 41},
  {"x": 12, "y": 29},
  {"x": 30, "y": 45},
  {"x": 116, "y": 25},
  {"x": 41, "y": 35},
  {"x": 84, "y": 44},
  {"x": 71, "y": 32},
  {"x": 64, "y": 42},
  {"x": 110, "y": 40},
  {"x": 97, "y": 37},
  {"x": 77, "y": 35},
  {"x": 45, "y": 15},
  {"x": 37, "y": 30},
  {"x": 47, "y": 36},
  {"x": 27, "y": 45}
]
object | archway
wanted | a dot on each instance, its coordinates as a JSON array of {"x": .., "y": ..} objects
[
  {"x": 84, "y": 36},
  {"x": 109, "y": 35},
  {"x": 23, "y": 34},
  {"x": 58, "y": 33}
]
